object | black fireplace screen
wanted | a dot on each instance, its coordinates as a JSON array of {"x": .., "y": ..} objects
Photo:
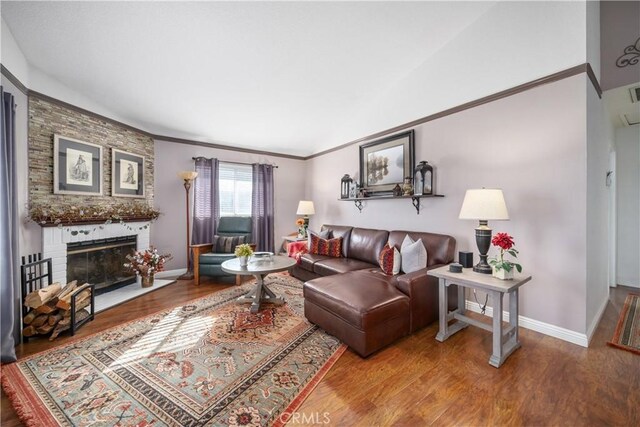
[{"x": 101, "y": 262}]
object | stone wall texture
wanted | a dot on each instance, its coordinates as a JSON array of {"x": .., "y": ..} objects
[{"x": 46, "y": 119}]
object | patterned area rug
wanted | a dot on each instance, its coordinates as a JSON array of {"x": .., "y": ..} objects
[
  {"x": 627, "y": 334},
  {"x": 208, "y": 362}
]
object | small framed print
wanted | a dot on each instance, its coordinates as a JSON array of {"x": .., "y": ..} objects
[
  {"x": 77, "y": 167},
  {"x": 127, "y": 172}
]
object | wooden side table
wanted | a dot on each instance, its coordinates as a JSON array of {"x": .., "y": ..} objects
[{"x": 505, "y": 340}]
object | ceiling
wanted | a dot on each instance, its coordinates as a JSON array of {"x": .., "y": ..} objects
[{"x": 268, "y": 76}]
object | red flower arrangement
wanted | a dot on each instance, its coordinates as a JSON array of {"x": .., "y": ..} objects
[
  {"x": 506, "y": 244},
  {"x": 147, "y": 262}
]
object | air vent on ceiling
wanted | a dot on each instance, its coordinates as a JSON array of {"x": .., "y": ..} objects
[{"x": 635, "y": 94}]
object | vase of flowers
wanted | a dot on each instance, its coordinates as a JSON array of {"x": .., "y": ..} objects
[
  {"x": 145, "y": 264},
  {"x": 302, "y": 227},
  {"x": 243, "y": 252},
  {"x": 502, "y": 268}
]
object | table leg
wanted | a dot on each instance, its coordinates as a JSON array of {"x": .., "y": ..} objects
[
  {"x": 513, "y": 314},
  {"x": 255, "y": 305},
  {"x": 496, "y": 358},
  {"x": 261, "y": 293},
  {"x": 462, "y": 300},
  {"x": 443, "y": 332}
]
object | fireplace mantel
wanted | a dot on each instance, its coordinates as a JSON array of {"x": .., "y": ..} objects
[{"x": 55, "y": 239}]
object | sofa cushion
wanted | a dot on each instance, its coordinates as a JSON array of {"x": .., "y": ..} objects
[
  {"x": 215, "y": 258},
  {"x": 343, "y": 231},
  {"x": 390, "y": 260},
  {"x": 440, "y": 247},
  {"x": 366, "y": 244},
  {"x": 361, "y": 299},
  {"x": 329, "y": 247},
  {"x": 308, "y": 260},
  {"x": 414, "y": 255},
  {"x": 329, "y": 266}
]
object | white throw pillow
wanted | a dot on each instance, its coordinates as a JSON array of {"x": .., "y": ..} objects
[
  {"x": 397, "y": 261},
  {"x": 413, "y": 254}
]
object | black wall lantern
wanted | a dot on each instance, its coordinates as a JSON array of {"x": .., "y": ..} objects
[
  {"x": 423, "y": 179},
  {"x": 345, "y": 182}
]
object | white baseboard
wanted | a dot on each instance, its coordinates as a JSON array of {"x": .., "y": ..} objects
[
  {"x": 170, "y": 274},
  {"x": 538, "y": 326},
  {"x": 596, "y": 320}
]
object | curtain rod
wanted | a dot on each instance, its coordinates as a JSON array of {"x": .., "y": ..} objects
[{"x": 237, "y": 163}]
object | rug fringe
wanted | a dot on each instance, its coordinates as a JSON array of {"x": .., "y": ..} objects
[{"x": 21, "y": 408}]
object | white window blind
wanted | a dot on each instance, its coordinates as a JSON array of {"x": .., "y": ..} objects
[{"x": 234, "y": 189}]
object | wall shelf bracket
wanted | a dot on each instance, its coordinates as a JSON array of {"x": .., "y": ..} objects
[{"x": 359, "y": 205}]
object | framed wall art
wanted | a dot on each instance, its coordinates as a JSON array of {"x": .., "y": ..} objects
[
  {"x": 77, "y": 167},
  {"x": 127, "y": 174},
  {"x": 386, "y": 162}
]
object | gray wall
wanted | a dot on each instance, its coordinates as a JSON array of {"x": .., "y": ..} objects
[
  {"x": 619, "y": 28},
  {"x": 532, "y": 145},
  {"x": 168, "y": 233},
  {"x": 628, "y": 205}
]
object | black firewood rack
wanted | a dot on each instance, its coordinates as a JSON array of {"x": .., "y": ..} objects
[{"x": 35, "y": 274}]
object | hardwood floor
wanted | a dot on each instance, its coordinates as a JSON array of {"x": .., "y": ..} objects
[{"x": 419, "y": 381}]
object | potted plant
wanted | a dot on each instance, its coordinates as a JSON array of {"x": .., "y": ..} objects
[
  {"x": 146, "y": 264},
  {"x": 243, "y": 252},
  {"x": 502, "y": 268}
]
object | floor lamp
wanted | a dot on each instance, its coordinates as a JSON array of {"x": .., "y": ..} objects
[{"x": 188, "y": 177}]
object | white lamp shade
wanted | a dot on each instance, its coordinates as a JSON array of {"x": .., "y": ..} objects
[
  {"x": 484, "y": 204},
  {"x": 188, "y": 175},
  {"x": 305, "y": 207}
]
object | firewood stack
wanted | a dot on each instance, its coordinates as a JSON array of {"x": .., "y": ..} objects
[{"x": 51, "y": 309}]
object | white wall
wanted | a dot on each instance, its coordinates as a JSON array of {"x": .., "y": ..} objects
[
  {"x": 168, "y": 233},
  {"x": 511, "y": 44},
  {"x": 628, "y": 205},
  {"x": 533, "y": 146},
  {"x": 11, "y": 56},
  {"x": 599, "y": 145}
]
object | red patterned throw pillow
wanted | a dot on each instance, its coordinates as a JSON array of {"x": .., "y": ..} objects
[
  {"x": 329, "y": 247},
  {"x": 389, "y": 260}
]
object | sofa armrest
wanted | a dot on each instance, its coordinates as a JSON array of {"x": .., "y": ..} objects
[
  {"x": 197, "y": 251},
  {"x": 422, "y": 290}
]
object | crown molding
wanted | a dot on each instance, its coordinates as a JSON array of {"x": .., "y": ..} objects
[{"x": 551, "y": 78}]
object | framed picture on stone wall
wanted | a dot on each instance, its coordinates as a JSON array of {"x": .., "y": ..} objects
[
  {"x": 77, "y": 167},
  {"x": 386, "y": 162},
  {"x": 127, "y": 174}
]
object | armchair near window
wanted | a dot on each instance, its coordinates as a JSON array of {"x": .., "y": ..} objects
[{"x": 206, "y": 260}]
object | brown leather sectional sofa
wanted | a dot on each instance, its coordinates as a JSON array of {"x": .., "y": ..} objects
[{"x": 352, "y": 299}]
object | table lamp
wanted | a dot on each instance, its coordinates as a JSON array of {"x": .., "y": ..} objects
[
  {"x": 305, "y": 208},
  {"x": 188, "y": 177},
  {"x": 484, "y": 204}
]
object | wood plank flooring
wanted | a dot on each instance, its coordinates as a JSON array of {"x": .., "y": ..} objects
[{"x": 419, "y": 381}]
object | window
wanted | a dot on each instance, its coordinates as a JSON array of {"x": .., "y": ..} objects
[{"x": 234, "y": 189}]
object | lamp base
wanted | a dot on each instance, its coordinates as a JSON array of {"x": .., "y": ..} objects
[
  {"x": 483, "y": 240},
  {"x": 482, "y": 268}
]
